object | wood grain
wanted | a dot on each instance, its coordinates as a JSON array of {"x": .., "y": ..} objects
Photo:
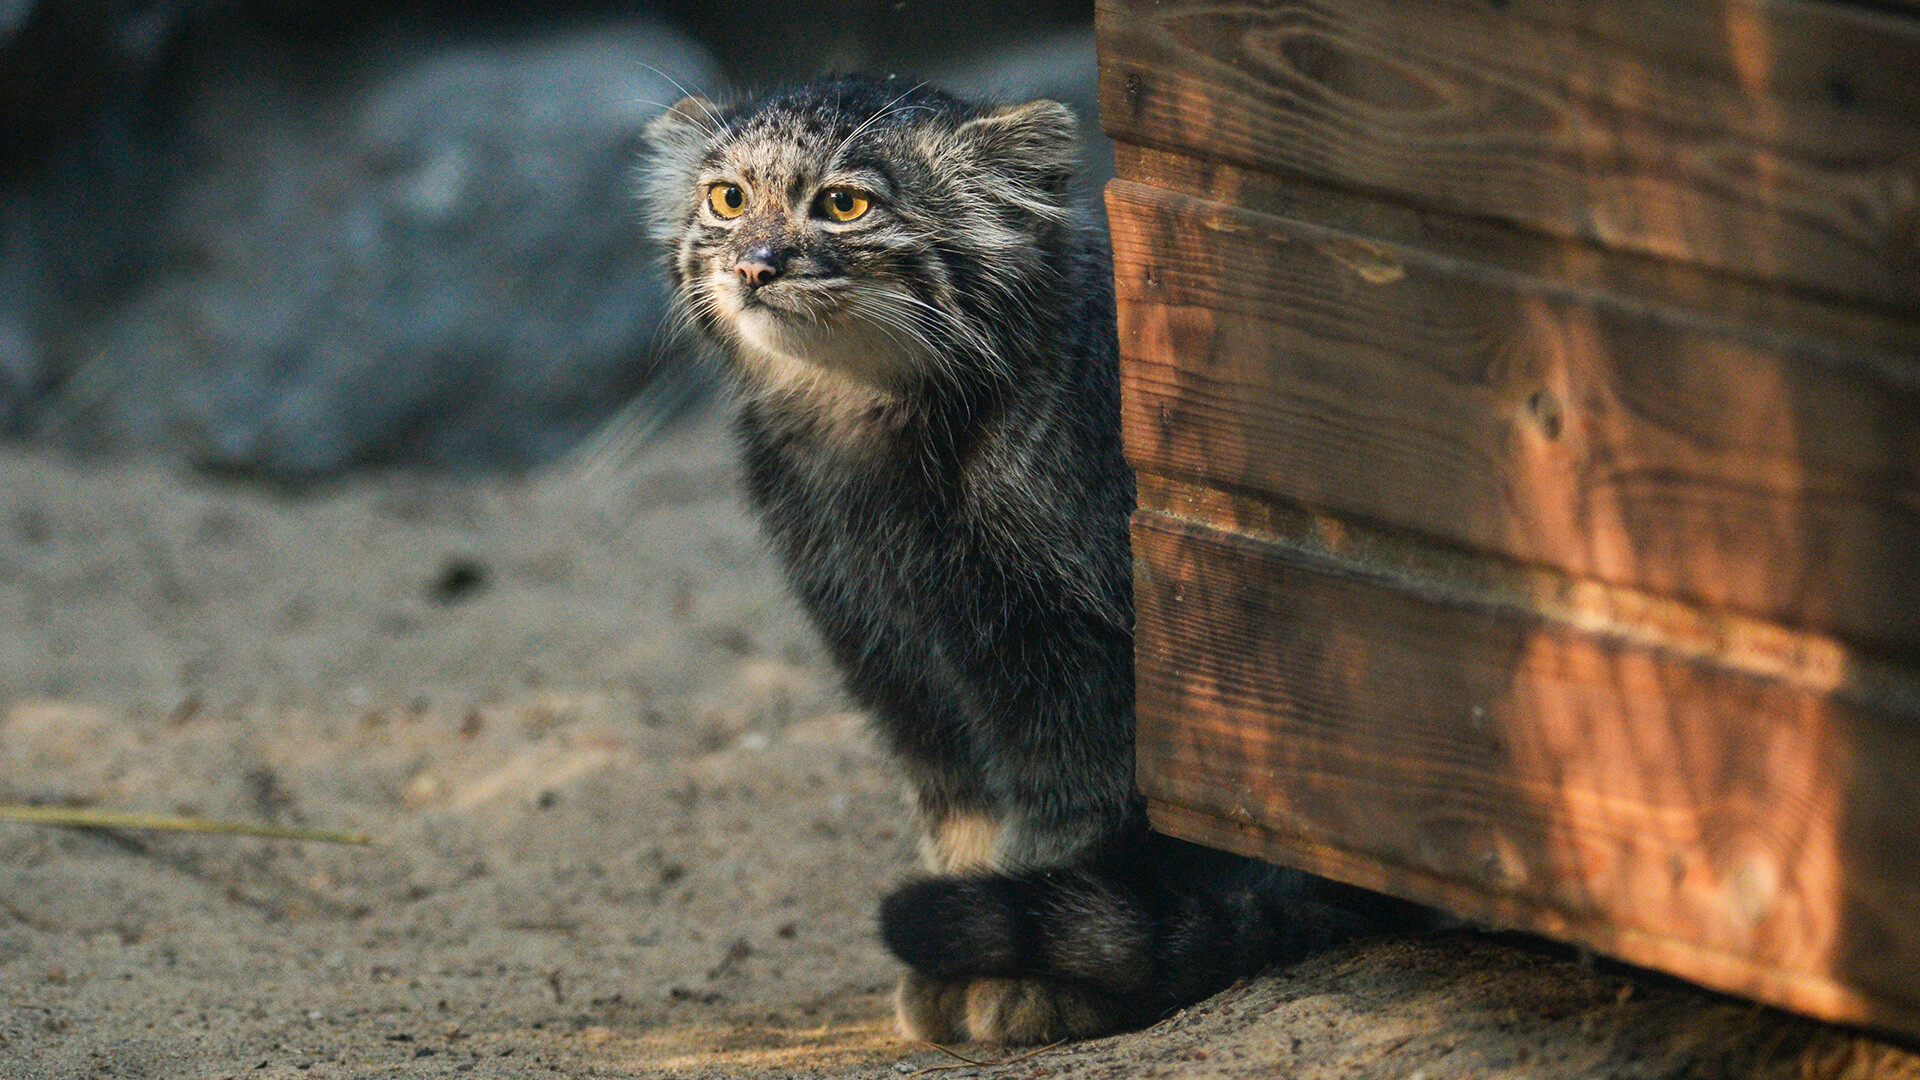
[
  {"x": 1772, "y": 139},
  {"x": 1773, "y": 475},
  {"x": 1773, "y": 315},
  {"x": 1727, "y": 640},
  {"x": 1743, "y": 830}
]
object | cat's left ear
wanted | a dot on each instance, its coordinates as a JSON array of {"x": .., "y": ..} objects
[
  {"x": 1038, "y": 142},
  {"x": 675, "y": 141}
]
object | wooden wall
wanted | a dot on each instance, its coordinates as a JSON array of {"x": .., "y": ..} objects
[{"x": 1526, "y": 401}]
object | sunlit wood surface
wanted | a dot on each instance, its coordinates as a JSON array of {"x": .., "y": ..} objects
[
  {"x": 1774, "y": 139},
  {"x": 1526, "y": 401}
]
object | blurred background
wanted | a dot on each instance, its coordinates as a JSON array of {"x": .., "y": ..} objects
[{"x": 290, "y": 239}]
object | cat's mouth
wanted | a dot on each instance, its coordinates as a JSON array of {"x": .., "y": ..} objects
[
  {"x": 813, "y": 301},
  {"x": 802, "y": 303},
  {"x": 830, "y": 327}
]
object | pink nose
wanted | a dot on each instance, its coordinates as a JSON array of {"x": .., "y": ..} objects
[{"x": 756, "y": 267}]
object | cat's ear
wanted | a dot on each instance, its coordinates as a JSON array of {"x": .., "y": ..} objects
[
  {"x": 1038, "y": 142},
  {"x": 665, "y": 171},
  {"x": 689, "y": 120}
]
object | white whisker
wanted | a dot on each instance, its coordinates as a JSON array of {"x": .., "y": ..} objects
[{"x": 686, "y": 94}]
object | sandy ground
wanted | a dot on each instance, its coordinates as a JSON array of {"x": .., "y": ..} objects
[{"x": 626, "y": 824}]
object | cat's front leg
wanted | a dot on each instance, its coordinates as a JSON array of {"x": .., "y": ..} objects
[
  {"x": 978, "y": 840},
  {"x": 955, "y": 841},
  {"x": 971, "y": 844}
]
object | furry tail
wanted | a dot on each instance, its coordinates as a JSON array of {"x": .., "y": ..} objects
[{"x": 1130, "y": 939}]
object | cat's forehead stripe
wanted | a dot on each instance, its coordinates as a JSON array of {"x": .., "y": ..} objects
[{"x": 783, "y": 161}]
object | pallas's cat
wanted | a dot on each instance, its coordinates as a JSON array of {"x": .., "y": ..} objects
[{"x": 920, "y": 331}]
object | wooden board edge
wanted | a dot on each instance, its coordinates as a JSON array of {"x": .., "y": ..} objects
[
  {"x": 1811, "y": 995},
  {"x": 1347, "y": 546}
]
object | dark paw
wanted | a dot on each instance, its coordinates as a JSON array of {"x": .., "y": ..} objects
[{"x": 951, "y": 927}]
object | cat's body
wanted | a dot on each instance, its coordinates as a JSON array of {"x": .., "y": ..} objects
[{"x": 921, "y": 335}]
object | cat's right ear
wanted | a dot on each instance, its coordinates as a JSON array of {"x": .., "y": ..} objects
[
  {"x": 1037, "y": 142},
  {"x": 687, "y": 121}
]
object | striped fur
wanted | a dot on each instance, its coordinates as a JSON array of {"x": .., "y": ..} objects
[{"x": 928, "y": 405}]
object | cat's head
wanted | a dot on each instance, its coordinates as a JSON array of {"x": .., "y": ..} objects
[{"x": 862, "y": 225}]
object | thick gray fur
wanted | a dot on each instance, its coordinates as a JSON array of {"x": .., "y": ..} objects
[{"x": 927, "y": 400}]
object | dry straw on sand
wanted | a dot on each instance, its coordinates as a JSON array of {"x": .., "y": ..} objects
[{"x": 87, "y": 818}]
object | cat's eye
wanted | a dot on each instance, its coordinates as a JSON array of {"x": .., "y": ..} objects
[
  {"x": 843, "y": 204},
  {"x": 727, "y": 200}
]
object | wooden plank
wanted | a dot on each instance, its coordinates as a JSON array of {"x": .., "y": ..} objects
[
  {"x": 1745, "y": 831},
  {"x": 1769, "y": 138},
  {"x": 1634, "y": 445},
  {"x": 1776, "y": 316},
  {"x": 1344, "y": 546}
]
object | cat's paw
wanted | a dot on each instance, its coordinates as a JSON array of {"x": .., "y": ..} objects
[
  {"x": 1013, "y": 1012},
  {"x": 1029, "y": 1011},
  {"x": 931, "y": 1010}
]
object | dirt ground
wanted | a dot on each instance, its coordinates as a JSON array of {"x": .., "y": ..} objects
[{"x": 626, "y": 824}]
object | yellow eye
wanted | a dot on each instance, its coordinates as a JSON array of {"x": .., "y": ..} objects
[
  {"x": 727, "y": 200},
  {"x": 843, "y": 204}
]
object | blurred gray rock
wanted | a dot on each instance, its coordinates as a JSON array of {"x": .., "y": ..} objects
[
  {"x": 80, "y": 172},
  {"x": 421, "y": 252},
  {"x": 290, "y": 238}
]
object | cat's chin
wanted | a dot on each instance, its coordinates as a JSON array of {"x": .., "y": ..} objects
[{"x": 857, "y": 348}]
